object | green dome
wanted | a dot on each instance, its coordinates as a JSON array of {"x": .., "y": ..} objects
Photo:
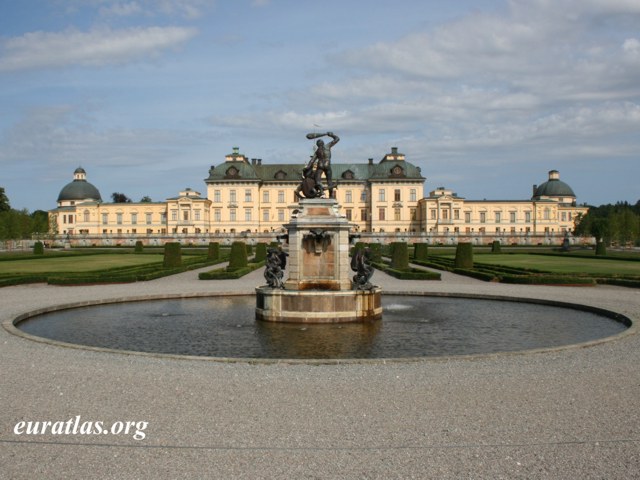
[
  {"x": 79, "y": 189},
  {"x": 554, "y": 187}
]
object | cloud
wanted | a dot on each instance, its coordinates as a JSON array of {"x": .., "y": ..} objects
[{"x": 98, "y": 47}]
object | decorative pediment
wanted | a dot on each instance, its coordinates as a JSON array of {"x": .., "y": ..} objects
[
  {"x": 280, "y": 175},
  {"x": 348, "y": 175}
]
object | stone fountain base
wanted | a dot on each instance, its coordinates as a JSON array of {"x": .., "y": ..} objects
[{"x": 318, "y": 306}]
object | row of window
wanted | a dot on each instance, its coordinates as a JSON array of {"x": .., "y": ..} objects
[
  {"x": 546, "y": 215},
  {"x": 266, "y": 196}
]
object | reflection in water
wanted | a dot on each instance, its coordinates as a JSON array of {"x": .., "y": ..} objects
[
  {"x": 412, "y": 326},
  {"x": 346, "y": 340}
]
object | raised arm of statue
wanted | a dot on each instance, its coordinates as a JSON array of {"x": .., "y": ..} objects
[{"x": 335, "y": 140}]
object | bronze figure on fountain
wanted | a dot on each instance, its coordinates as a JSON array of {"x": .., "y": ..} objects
[{"x": 311, "y": 185}]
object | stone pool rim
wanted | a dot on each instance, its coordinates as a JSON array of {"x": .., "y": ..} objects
[{"x": 11, "y": 327}]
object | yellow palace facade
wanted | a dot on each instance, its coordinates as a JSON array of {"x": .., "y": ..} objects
[{"x": 244, "y": 197}]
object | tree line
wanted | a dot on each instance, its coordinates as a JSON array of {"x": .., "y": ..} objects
[{"x": 619, "y": 223}]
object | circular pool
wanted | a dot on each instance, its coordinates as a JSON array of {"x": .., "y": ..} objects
[{"x": 412, "y": 326}]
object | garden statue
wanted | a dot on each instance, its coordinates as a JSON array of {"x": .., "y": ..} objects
[
  {"x": 311, "y": 185},
  {"x": 275, "y": 265},
  {"x": 364, "y": 271}
]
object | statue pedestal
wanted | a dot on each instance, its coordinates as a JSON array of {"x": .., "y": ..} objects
[{"x": 319, "y": 288}]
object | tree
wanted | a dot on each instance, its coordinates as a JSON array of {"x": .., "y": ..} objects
[
  {"x": 120, "y": 198},
  {"x": 4, "y": 201},
  {"x": 146, "y": 199}
]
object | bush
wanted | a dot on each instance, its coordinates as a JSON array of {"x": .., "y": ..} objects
[
  {"x": 138, "y": 248},
  {"x": 547, "y": 280},
  {"x": 601, "y": 248},
  {"x": 464, "y": 256},
  {"x": 495, "y": 247},
  {"x": 213, "y": 253},
  {"x": 261, "y": 252},
  {"x": 225, "y": 274},
  {"x": 399, "y": 256},
  {"x": 38, "y": 248},
  {"x": 375, "y": 251},
  {"x": 420, "y": 251},
  {"x": 172, "y": 255},
  {"x": 249, "y": 249},
  {"x": 238, "y": 257}
]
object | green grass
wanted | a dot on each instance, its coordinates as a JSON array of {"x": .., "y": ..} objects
[
  {"x": 558, "y": 264},
  {"x": 88, "y": 263}
]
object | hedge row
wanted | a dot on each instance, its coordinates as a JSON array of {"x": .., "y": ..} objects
[
  {"x": 407, "y": 274},
  {"x": 226, "y": 274},
  {"x": 547, "y": 280}
]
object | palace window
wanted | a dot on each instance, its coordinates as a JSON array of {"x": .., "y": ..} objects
[
  {"x": 483, "y": 217},
  {"x": 412, "y": 214},
  {"x": 412, "y": 195},
  {"x": 434, "y": 214},
  {"x": 265, "y": 196},
  {"x": 527, "y": 217},
  {"x": 86, "y": 216},
  {"x": 456, "y": 214},
  {"x": 197, "y": 214},
  {"x": 381, "y": 195},
  {"x": 265, "y": 215},
  {"x": 232, "y": 214},
  {"x": 247, "y": 214},
  {"x": 512, "y": 217},
  {"x": 348, "y": 213},
  {"x": 381, "y": 214},
  {"x": 148, "y": 218},
  {"x": 280, "y": 196},
  {"x": 118, "y": 218},
  {"x": 105, "y": 218},
  {"x": 547, "y": 214},
  {"x": 232, "y": 196},
  {"x": 467, "y": 217},
  {"x": 134, "y": 219},
  {"x": 396, "y": 214},
  {"x": 363, "y": 196},
  {"x": 498, "y": 217},
  {"x": 281, "y": 214},
  {"x": 217, "y": 196},
  {"x": 348, "y": 197},
  {"x": 174, "y": 215},
  {"x": 247, "y": 195},
  {"x": 396, "y": 195},
  {"x": 217, "y": 215},
  {"x": 185, "y": 215},
  {"x": 363, "y": 214}
]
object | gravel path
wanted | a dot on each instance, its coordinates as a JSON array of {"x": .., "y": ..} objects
[{"x": 570, "y": 413}]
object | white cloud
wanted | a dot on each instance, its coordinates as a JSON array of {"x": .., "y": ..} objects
[
  {"x": 125, "y": 9},
  {"x": 98, "y": 47}
]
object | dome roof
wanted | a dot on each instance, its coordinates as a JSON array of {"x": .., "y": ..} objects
[
  {"x": 79, "y": 189},
  {"x": 554, "y": 187}
]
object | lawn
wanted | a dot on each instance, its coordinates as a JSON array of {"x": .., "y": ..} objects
[
  {"x": 557, "y": 264},
  {"x": 76, "y": 263}
]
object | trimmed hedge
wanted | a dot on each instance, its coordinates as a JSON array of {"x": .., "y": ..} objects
[
  {"x": 375, "y": 252},
  {"x": 172, "y": 255},
  {"x": 139, "y": 247},
  {"x": 261, "y": 252},
  {"x": 38, "y": 248},
  {"x": 238, "y": 256},
  {"x": 464, "y": 256},
  {"x": 547, "y": 280},
  {"x": 399, "y": 256},
  {"x": 213, "y": 252},
  {"x": 495, "y": 247},
  {"x": 420, "y": 251},
  {"x": 226, "y": 274},
  {"x": 601, "y": 248}
]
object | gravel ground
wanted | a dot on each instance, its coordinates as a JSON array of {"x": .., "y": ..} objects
[{"x": 565, "y": 413}]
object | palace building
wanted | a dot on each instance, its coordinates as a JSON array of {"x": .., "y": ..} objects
[{"x": 245, "y": 196}]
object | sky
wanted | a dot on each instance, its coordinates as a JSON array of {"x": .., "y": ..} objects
[{"x": 485, "y": 96}]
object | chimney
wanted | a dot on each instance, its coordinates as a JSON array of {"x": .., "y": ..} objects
[
  {"x": 394, "y": 150},
  {"x": 253, "y": 161},
  {"x": 535, "y": 187},
  {"x": 371, "y": 161},
  {"x": 259, "y": 161}
]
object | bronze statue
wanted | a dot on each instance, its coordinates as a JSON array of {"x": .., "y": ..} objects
[
  {"x": 275, "y": 265},
  {"x": 322, "y": 160},
  {"x": 364, "y": 271}
]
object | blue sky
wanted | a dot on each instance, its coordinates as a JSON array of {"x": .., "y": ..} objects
[{"x": 485, "y": 96}]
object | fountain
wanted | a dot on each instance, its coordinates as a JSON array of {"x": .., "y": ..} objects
[{"x": 319, "y": 288}]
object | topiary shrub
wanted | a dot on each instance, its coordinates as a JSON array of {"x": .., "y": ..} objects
[
  {"x": 138, "y": 248},
  {"x": 601, "y": 248},
  {"x": 399, "y": 256},
  {"x": 172, "y": 255},
  {"x": 420, "y": 251},
  {"x": 238, "y": 256},
  {"x": 249, "y": 249},
  {"x": 261, "y": 252},
  {"x": 213, "y": 253},
  {"x": 38, "y": 248},
  {"x": 375, "y": 252},
  {"x": 464, "y": 256},
  {"x": 495, "y": 247}
]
